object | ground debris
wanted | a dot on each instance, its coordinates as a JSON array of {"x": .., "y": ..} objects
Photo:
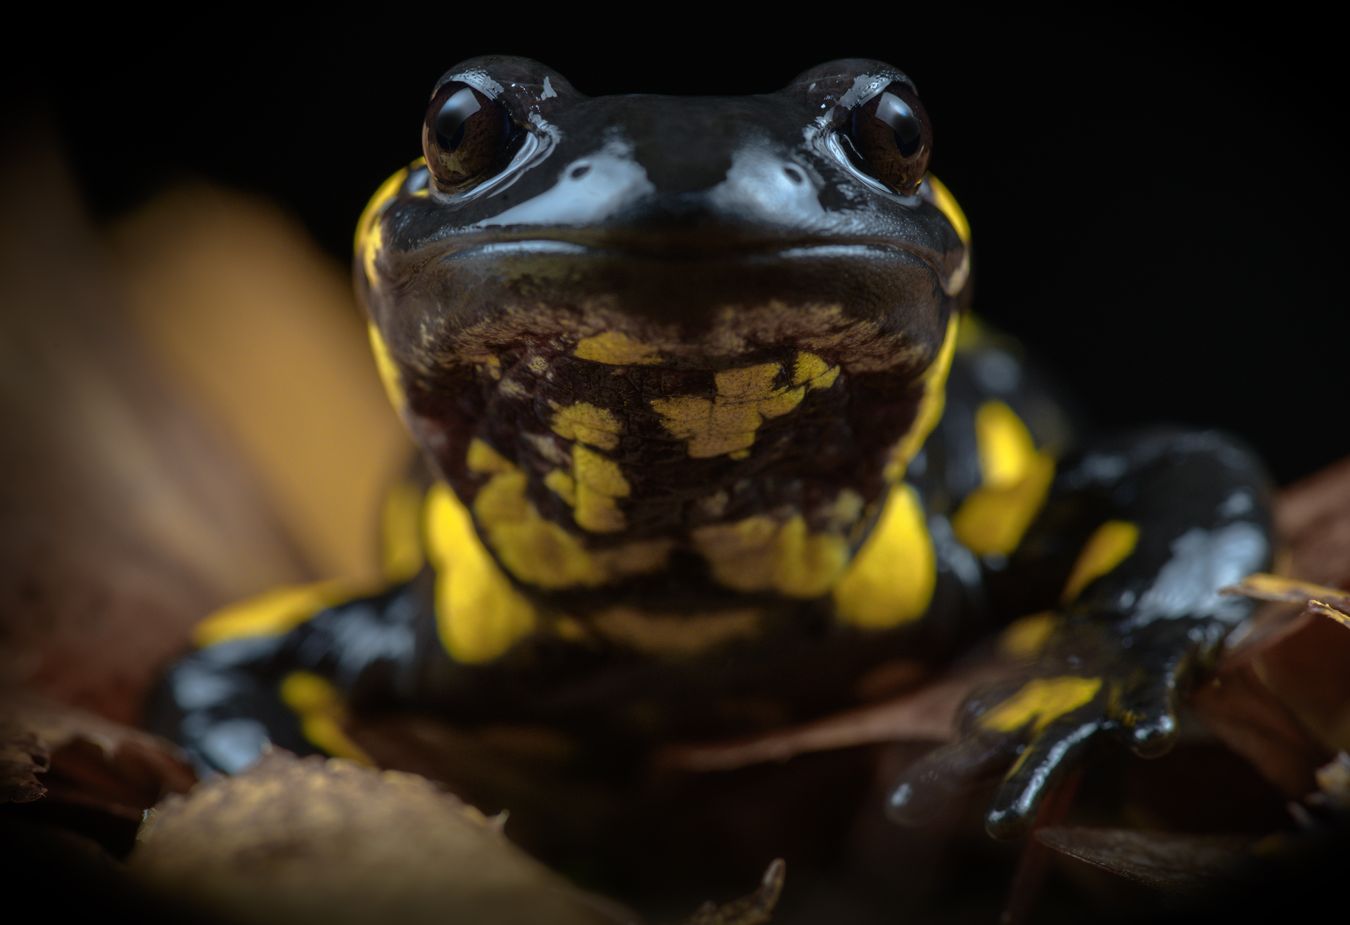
[
  {"x": 1164, "y": 861},
  {"x": 755, "y": 909},
  {"x": 309, "y": 840},
  {"x": 23, "y": 756},
  {"x": 110, "y": 771}
]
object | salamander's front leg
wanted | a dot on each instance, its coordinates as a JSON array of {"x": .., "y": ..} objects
[
  {"x": 1121, "y": 570},
  {"x": 282, "y": 668}
]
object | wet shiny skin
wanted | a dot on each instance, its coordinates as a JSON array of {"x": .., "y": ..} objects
[{"x": 710, "y": 435}]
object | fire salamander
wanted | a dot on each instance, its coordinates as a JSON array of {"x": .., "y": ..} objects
[{"x": 708, "y": 434}]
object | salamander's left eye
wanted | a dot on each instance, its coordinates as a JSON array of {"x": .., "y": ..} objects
[
  {"x": 467, "y": 137},
  {"x": 888, "y": 137}
]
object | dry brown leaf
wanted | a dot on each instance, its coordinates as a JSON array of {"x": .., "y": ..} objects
[
  {"x": 127, "y": 516},
  {"x": 926, "y": 714},
  {"x": 312, "y": 840},
  {"x": 1241, "y": 711},
  {"x": 1164, "y": 861},
  {"x": 23, "y": 756},
  {"x": 94, "y": 762}
]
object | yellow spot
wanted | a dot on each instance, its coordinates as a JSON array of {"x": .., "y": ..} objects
[
  {"x": 487, "y": 361},
  {"x": 1016, "y": 479},
  {"x": 483, "y": 458},
  {"x": 540, "y": 552},
  {"x": 271, "y": 614},
  {"x": 615, "y": 348},
  {"x": 745, "y": 398},
  {"x": 931, "y": 405},
  {"x": 321, "y": 712},
  {"x": 763, "y": 554},
  {"x": 563, "y": 485},
  {"x": 1027, "y": 635},
  {"x": 813, "y": 372},
  {"x": 384, "y": 364},
  {"x": 946, "y": 203},
  {"x": 599, "y": 482},
  {"x": 845, "y": 511},
  {"x": 1004, "y": 444},
  {"x": 637, "y": 558},
  {"x": 401, "y": 532},
  {"x": 586, "y": 423},
  {"x": 479, "y": 613},
  {"x": 891, "y": 580},
  {"x": 537, "y": 365},
  {"x": 675, "y": 634},
  {"x": 1108, "y": 546},
  {"x": 1041, "y": 702},
  {"x": 570, "y": 628}
]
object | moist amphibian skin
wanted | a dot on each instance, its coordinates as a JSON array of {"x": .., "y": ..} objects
[{"x": 708, "y": 437}]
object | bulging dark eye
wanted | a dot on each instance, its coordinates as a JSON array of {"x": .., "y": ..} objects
[
  {"x": 467, "y": 137},
  {"x": 889, "y": 138}
]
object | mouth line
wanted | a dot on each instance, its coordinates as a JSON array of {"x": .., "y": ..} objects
[{"x": 686, "y": 250}]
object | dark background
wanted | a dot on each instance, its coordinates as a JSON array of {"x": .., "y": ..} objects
[{"x": 1157, "y": 202}]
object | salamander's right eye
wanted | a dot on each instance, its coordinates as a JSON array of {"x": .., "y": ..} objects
[{"x": 467, "y": 137}]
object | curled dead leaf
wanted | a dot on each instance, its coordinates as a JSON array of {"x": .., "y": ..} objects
[{"x": 1164, "y": 861}]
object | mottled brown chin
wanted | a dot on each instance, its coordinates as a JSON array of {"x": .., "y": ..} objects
[{"x": 611, "y": 459}]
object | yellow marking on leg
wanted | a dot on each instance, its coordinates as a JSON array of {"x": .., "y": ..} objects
[
  {"x": 1016, "y": 479},
  {"x": 614, "y": 348},
  {"x": 675, "y": 635},
  {"x": 1005, "y": 446},
  {"x": 270, "y": 614},
  {"x": 892, "y": 578},
  {"x": 387, "y": 368},
  {"x": 479, "y": 613},
  {"x": 931, "y": 405},
  {"x": 321, "y": 712},
  {"x": 761, "y": 553},
  {"x": 401, "y": 532},
  {"x": 586, "y": 423},
  {"x": 1027, "y": 635},
  {"x": 1041, "y": 702},
  {"x": 727, "y": 423},
  {"x": 599, "y": 485},
  {"x": 947, "y": 205},
  {"x": 1108, "y": 546}
]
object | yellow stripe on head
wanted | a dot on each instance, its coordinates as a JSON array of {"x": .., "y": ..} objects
[
  {"x": 388, "y": 369},
  {"x": 947, "y": 205}
]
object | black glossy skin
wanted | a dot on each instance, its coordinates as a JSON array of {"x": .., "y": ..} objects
[{"x": 686, "y": 219}]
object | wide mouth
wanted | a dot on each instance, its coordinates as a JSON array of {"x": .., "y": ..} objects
[{"x": 684, "y": 247}]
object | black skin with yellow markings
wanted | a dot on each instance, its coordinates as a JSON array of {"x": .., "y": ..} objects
[{"x": 785, "y": 255}]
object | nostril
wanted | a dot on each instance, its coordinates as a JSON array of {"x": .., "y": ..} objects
[
  {"x": 579, "y": 171},
  {"x": 794, "y": 174}
]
